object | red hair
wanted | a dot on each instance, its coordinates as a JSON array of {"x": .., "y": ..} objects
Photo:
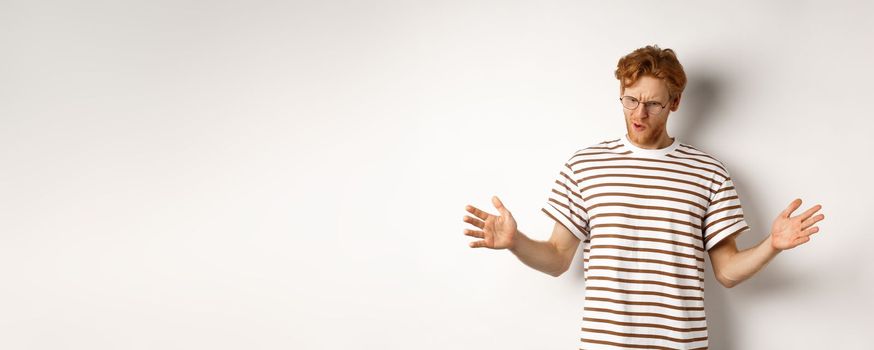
[{"x": 655, "y": 62}]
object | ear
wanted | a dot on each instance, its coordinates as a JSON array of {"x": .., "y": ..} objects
[{"x": 675, "y": 103}]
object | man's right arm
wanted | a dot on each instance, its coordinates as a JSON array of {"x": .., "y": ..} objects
[{"x": 552, "y": 257}]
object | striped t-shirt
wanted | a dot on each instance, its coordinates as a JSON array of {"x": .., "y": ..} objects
[{"x": 645, "y": 218}]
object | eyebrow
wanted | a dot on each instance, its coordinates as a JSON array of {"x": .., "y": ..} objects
[{"x": 656, "y": 100}]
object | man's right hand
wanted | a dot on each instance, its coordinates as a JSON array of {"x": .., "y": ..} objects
[{"x": 498, "y": 232}]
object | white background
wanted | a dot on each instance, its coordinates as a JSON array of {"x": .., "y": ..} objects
[{"x": 292, "y": 175}]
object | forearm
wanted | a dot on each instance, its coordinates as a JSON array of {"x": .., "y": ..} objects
[
  {"x": 539, "y": 255},
  {"x": 747, "y": 263}
]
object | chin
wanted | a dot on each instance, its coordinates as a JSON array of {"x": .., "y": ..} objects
[{"x": 638, "y": 135}]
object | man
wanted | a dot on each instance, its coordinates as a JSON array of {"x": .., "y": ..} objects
[{"x": 646, "y": 207}]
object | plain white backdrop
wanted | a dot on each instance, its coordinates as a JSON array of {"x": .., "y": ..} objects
[{"x": 292, "y": 175}]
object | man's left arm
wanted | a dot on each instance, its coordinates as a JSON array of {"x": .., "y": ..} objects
[{"x": 732, "y": 267}]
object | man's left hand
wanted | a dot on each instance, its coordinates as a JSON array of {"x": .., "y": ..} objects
[{"x": 788, "y": 231}]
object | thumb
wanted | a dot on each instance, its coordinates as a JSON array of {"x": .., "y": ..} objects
[
  {"x": 791, "y": 208},
  {"x": 499, "y": 205}
]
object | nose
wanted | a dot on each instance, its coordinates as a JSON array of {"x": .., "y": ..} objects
[{"x": 640, "y": 112}]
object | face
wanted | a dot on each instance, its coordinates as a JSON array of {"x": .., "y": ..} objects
[{"x": 643, "y": 128}]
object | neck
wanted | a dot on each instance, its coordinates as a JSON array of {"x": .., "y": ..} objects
[{"x": 659, "y": 142}]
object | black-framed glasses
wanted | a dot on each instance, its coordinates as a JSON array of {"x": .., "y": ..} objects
[{"x": 652, "y": 107}]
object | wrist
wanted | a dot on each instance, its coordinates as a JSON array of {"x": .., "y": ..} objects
[
  {"x": 769, "y": 247},
  {"x": 514, "y": 241}
]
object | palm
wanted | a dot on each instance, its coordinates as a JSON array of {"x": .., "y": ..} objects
[
  {"x": 788, "y": 231},
  {"x": 497, "y": 231}
]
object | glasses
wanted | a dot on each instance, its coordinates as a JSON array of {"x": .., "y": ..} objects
[{"x": 651, "y": 107}]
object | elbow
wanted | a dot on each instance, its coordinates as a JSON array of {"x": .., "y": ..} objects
[
  {"x": 560, "y": 271},
  {"x": 726, "y": 282},
  {"x": 561, "y": 262},
  {"x": 556, "y": 273}
]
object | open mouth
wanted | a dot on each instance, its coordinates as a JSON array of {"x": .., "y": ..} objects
[{"x": 638, "y": 126}]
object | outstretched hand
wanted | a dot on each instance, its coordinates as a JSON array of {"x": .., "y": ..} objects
[
  {"x": 788, "y": 232},
  {"x": 498, "y": 232}
]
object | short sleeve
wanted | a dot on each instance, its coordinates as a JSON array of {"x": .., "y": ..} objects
[
  {"x": 565, "y": 203},
  {"x": 724, "y": 216}
]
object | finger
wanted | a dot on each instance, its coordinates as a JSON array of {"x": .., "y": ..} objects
[
  {"x": 800, "y": 241},
  {"x": 792, "y": 206},
  {"x": 478, "y": 244},
  {"x": 809, "y": 222},
  {"x": 475, "y": 211},
  {"x": 473, "y": 221},
  {"x": 809, "y": 212},
  {"x": 809, "y": 231},
  {"x": 472, "y": 233},
  {"x": 499, "y": 205}
]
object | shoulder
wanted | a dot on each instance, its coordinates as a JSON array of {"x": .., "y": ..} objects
[
  {"x": 697, "y": 155},
  {"x": 605, "y": 147}
]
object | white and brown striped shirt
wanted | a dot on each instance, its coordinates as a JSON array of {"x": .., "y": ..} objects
[{"x": 646, "y": 218}]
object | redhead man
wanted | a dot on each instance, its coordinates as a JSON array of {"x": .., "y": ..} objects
[{"x": 646, "y": 207}]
